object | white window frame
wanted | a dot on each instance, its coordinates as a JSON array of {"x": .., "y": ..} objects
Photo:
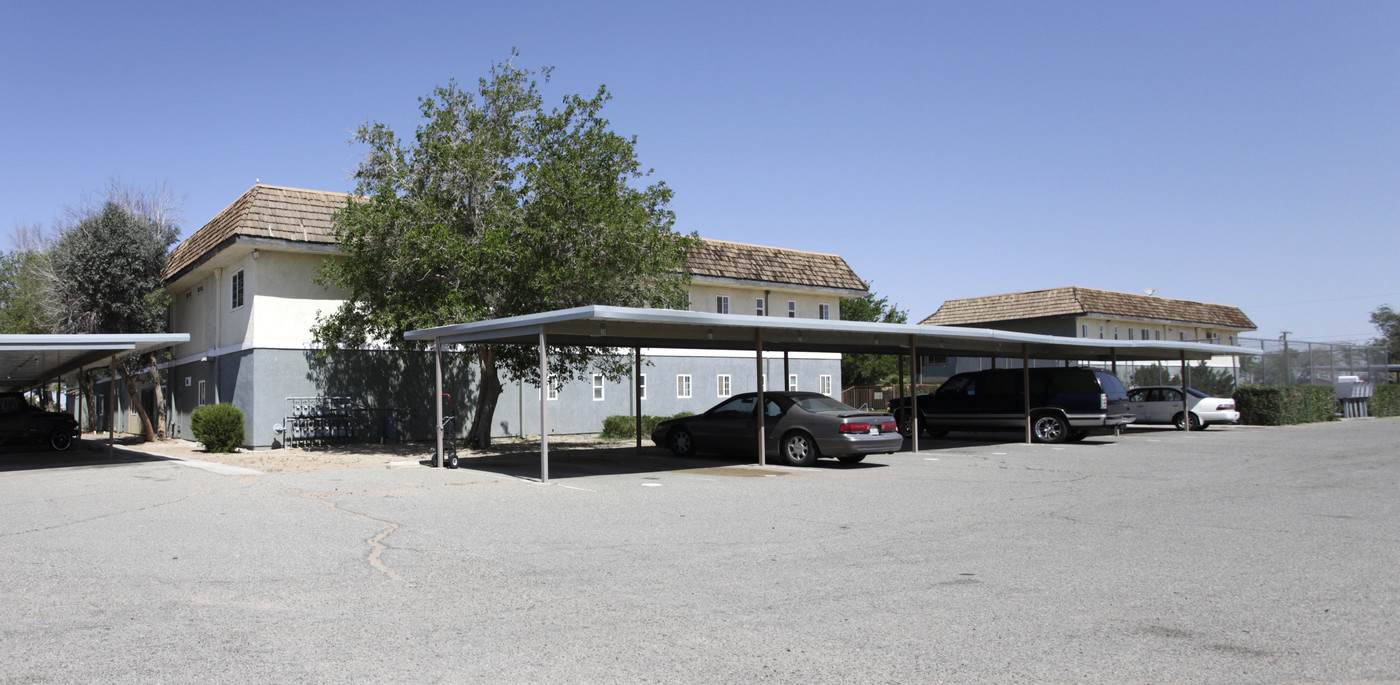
[
  {"x": 236, "y": 284},
  {"x": 1083, "y": 330},
  {"x": 723, "y": 385},
  {"x": 1145, "y": 336},
  {"x": 683, "y": 389},
  {"x": 792, "y": 382},
  {"x": 824, "y": 382},
  {"x": 203, "y": 397},
  {"x": 551, "y": 391},
  {"x": 758, "y": 306},
  {"x": 1100, "y": 331},
  {"x": 721, "y": 304},
  {"x": 792, "y": 309},
  {"x": 642, "y": 387},
  {"x": 823, "y": 311},
  {"x": 597, "y": 387},
  {"x": 1115, "y": 332}
]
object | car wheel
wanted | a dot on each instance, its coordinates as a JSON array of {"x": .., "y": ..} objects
[
  {"x": 901, "y": 420},
  {"x": 682, "y": 443},
  {"x": 451, "y": 461},
  {"x": 852, "y": 459},
  {"x": 799, "y": 450},
  {"x": 1181, "y": 425},
  {"x": 60, "y": 439},
  {"x": 1049, "y": 428}
]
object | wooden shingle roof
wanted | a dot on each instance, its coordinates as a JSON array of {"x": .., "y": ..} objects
[
  {"x": 264, "y": 211},
  {"x": 297, "y": 215},
  {"x": 1038, "y": 304},
  {"x": 741, "y": 261}
]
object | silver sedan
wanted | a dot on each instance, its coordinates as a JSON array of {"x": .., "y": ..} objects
[{"x": 800, "y": 427}]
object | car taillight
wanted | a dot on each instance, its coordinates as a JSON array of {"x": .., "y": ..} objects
[
  {"x": 1224, "y": 406},
  {"x": 889, "y": 427},
  {"x": 1103, "y": 400},
  {"x": 855, "y": 428}
]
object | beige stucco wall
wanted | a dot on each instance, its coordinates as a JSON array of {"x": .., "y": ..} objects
[
  {"x": 285, "y": 300},
  {"x": 1228, "y": 336},
  {"x": 742, "y": 300}
]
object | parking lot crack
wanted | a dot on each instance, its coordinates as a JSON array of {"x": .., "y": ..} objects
[{"x": 375, "y": 542}]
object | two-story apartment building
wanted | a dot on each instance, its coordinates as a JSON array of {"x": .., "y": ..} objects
[{"x": 242, "y": 287}]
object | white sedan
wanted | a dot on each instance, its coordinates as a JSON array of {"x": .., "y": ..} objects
[{"x": 1162, "y": 404}]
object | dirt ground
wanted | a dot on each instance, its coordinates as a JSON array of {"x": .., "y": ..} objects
[{"x": 347, "y": 456}]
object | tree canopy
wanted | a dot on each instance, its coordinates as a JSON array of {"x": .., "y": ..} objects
[
  {"x": 499, "y": 207},
  {"x": 1387, "y": 322},
  {"x": 869, "y": 369}
]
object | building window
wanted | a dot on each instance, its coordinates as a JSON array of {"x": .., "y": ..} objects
[
  {"x": 1183, "y": 336},
  {"x": 1083, "y": 330},
  {"x": 722, "y": 304},
  {"x": 1232, "y": 340},
  {"x": 792, "y": 383},
  {"x": 683, "y": 386},
  {"x": 1100, "y": 331},
  {"x": 1115, "y": 332},
  {"x": 687, "y": 301},
  {"x": 825, "y": 381},
  {"x": 823, "y": 311},
  {"x": 792, "y": 309},
  {"x": 237, "y": 290},
  {"x": 642, "y": 386},
  {"x": 597, "y": 387},
  {"x": 1130, "y": 334},
  {"x": 722, "y": 385},
  {"x": 187, "y": 381},
  {"x": 1144, "y": 334},
  {"x": 552, "y": 388},
  {"x": 203, "y": 399},
  {"x": 1156, "y": 335},
  {"x": 758, "y": 306}
]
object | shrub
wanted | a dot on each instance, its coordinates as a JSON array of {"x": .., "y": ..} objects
[
  {"x": 1285, "y": 405},
  {"x": 624, "y": 427},
  {"x": 218, "y": 426},
  {"x": 1385, "y": 401}
]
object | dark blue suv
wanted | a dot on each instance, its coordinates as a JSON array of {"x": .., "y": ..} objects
[{"x": 1067, "y": 404}]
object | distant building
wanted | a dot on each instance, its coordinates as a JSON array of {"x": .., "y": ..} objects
[
  {"x": 1089, "y": 313},
  {"x": 242, "y": 287}
]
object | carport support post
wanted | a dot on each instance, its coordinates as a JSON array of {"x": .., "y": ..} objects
[
  {"x": 1026, "y": 386},
  {"x": 112, "y": 401},
  {"x": 637, "y": 390},
  {"x": 1113, "y": 359},
  {"x": 786, "y": 374},
  {"x": 1185, "y": 405},
  {"x": 759, "y": 413},
  {"x": 913, "y": 394},
  {"x": 544, "y": 414},
  {"x": 437, "y": 368}
]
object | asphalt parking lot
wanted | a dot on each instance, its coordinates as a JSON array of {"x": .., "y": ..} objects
[{"x": 1229, "y": 555}]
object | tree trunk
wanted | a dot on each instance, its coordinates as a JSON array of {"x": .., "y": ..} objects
[
  {"x": 480, "y": 435},
  {"x": 160, "y": 398},
  {"x": 89, "y": 400},
  {"x": 148, "y": 434}
]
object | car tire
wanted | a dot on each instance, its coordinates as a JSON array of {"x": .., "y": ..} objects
[
  {"x": 681, "y": 442},
  {"x": 901, "y": 420},
  {"x": 60, "y": 440},
  {"x": 1049, "y": 428},
  {"x": 851, "y": 459},
  {"x": 1180, "y": 425},
  {"x": 451, "y": 462},
  {"x": 799, "y": 449}
]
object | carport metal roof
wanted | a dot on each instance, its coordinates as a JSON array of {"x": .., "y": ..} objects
[
  {"x": 603, "y": 326},
  {"x": 28, "y": 361}
]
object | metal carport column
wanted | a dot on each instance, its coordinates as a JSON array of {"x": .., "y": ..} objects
[{"x": 544, "y": 413}]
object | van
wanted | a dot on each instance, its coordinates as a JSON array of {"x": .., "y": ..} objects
[{"x": 1066, "y": 404}]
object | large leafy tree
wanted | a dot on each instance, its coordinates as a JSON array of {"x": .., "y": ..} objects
[
  {"x": 22, "y": 301},
  {"x": 1201, "y": 376},
  {"x": 106, "y": 278},
  {"x": 868, "y": 369},
  {"x": 499, "y": 207},
  {"x": 1387, "y": 322}
]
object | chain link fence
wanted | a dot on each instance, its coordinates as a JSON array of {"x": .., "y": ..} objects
[{"x": 1297, "y": 362}]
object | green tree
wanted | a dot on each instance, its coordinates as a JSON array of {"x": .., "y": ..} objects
[
  {"x": 1387, "y": 321},
  {"x": 107, "y": 271},
  {"x": 869, "y": 369},
  {"x": 500, "y": 207},
  {"x": 22, "y": 301},
  {"x": 1201, "y": 376}
]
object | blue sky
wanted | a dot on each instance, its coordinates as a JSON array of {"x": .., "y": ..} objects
[{"x": 1246, "y": 153}]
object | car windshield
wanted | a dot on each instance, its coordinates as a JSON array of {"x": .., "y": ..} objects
[{"x": 819, "y": 403}]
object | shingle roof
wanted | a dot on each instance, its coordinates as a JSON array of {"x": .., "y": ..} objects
[
  {"x": 1080, "y": 301},
  {"x": 306, "y": 216},
  {"x": 265, "y": 211},
  {"x": 723, "y": 259}
]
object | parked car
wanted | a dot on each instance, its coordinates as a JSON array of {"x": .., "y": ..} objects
[
  {"x": 799, "y": 426},
  {"x": 22, "y": 422},
  {"x": 1162, "y": 404},
  {"x": 1067, "y": 404}
]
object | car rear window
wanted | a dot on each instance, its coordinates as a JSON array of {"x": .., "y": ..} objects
[
  {"x": 1110, "y": 383},
  {"x": 822, "y": 403}
]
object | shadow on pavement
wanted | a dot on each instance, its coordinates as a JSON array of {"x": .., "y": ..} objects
[
  {"x": 83, "y": 453},
  {"x": 580, "y": 462}
]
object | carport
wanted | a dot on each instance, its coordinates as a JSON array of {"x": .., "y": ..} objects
[
  {"x": 29, "y": 361},
  {"x": 634, "y": 328}
]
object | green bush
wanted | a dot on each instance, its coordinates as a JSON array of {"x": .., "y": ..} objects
[
  {"x": 624, "y": 427},
  {"x": 1385, "y": 401},
  {"x": 1286, "y": 405},
  {"x": 218, "y": 426}
]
